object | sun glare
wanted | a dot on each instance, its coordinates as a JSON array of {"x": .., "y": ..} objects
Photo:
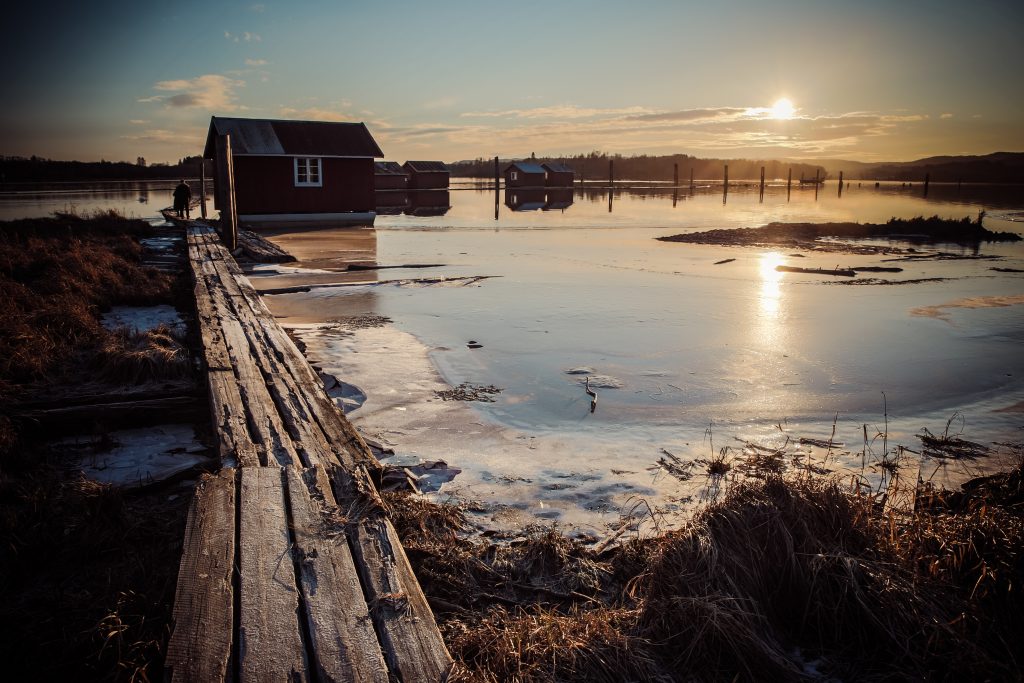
[{"x": 782, "y": 109}]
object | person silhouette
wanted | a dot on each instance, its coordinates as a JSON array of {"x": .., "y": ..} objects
[{"x": 182, "y": 197}]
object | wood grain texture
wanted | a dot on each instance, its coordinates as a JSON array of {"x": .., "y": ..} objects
[
  {"x": 344, "y": 642},
  {"x": 270, "y": 646},
  {"x": 200, "y": 644}
]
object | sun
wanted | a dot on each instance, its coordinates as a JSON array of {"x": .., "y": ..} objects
[{"x": 782, "y": 109}]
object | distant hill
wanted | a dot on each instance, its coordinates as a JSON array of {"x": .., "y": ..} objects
[{"x": 999, "y": 167}]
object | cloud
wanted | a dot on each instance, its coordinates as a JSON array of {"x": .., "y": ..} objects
[
  {"x": 210, "y": 91},
  {"x": 138, "y": 122},
  {"x": 565, "y": 111},
  {"x": 245, "y": 35},
  {"x": 257, "y": 8},
  {"x": 945, "y": 116},
  {"x": 313, "y": 114},
  {"x": 691, "y": 114},
  {"x": 256, "y": 62},
  {"x": 188, "y": 137}
]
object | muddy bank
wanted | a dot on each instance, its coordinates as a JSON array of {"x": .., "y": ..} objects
[{"x": 818, "y": 236}]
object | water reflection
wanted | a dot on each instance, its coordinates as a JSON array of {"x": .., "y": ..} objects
[
  {"x": 412, "y": 203},
  {"x": 538, "y": 198},
  {"x": 769, "y": 292}
]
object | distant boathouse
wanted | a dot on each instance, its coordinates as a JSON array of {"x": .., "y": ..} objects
[
  {"x": 292, "y": 172},
  {"x": 532, "y": 174},
  {"x": 427, "y": 175}
]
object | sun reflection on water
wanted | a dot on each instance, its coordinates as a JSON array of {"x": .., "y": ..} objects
[{"x": 770, "y": 294}]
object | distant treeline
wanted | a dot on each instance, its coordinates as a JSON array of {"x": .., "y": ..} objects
[
  {"x": 594, "y": 166},
  {"x": 1003, "y": 167},
  {"x": 37, "y": 169}
]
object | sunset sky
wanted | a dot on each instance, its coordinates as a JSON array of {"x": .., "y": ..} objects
[{"x": 867, "y": 80}]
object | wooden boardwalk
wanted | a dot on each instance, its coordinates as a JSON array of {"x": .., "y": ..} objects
[{"x": 291, "y": 568}]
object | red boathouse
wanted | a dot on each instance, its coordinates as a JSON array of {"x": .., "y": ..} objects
[
  {"x": 557, "y": 174},
  {"x": 389, "y": 175},
  {"x": 524, "y": 174},
  {"x": 299, "y": 172},
  {"x": 427, "y": 175}
]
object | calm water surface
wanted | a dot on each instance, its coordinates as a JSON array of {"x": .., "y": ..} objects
[{"x": 687, "y": 343}]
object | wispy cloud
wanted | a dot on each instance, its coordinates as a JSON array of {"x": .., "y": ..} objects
[
  {"x": 711, "y": 130},
  {"x": 138, "y": 122},
  {"x": 313, "y": 114},
  {"x": 210, "y": 91},
  {"x": 945, "y": 116},
  {"x": 564, "y": 111},
  {"x": 257, "y": 8},
  {"x": 691, "y": 114},
  {"x": 256, "y": 62},
  {"x": 245, "y": 35}
]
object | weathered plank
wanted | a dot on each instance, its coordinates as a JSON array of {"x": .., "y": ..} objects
[
  {"x": 200, "y": 645},
  {"x": 270, "y": 644},
  {"x": 409, "y": 636},
  {"x": 345, "y": 646}
]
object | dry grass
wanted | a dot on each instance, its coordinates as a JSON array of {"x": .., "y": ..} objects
[
  {"x": 89, "y": 577},
  {"x": 55, "y": 276},
  {"x": 88, "y": 572},
  {"x": 779, "y": 573},
  {"x": 127, "y": 356}
]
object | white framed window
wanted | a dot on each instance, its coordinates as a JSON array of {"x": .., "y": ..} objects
[
  {"x": 515, "y": 175},
  {"x": 308, "y": 172}
]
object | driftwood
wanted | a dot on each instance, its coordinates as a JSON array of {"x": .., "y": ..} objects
[
  {"x": 257, "y": 248},
  {"x": 845, "y": 272},
  {"x": 116, "y": 414}
]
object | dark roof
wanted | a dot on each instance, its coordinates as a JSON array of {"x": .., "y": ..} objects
[
  {"x": 526, "y": 167},
  {"x": 263, "y": 137},
  {"x": 388, "y": 168},
  {"x": 556, "y": 167},
  {"x": 426, "y": 166}
]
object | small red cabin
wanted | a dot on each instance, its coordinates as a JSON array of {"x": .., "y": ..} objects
[
  {"x": 298, "y": 172},
  {"x": 524, "y": 174},
  {"x": 557, "y": 174},
  {"x": 427, "y": 175},
  {"x": 389, "y": 175}
]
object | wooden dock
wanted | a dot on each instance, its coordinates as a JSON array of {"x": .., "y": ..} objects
[{"x": 291, "y": 568}]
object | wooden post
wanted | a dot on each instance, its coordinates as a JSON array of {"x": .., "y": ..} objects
[
  {"x": 202, "y": 188},
  {"x": 226, "y": 181},
  {"x": 675, "y": 175},
  {"x": 817, "y": 182},
  {"x": 762, "y": 183},
  {"x": 927, "y": 178},
  {"x": 611, "y": 175},
  {"x": 840, "y": 183},
  {"x": 497, "y": 175},
  {"x": 789, "y": 183},
  {"x": 725, "y": 184},
  {"x": 691, "y": 180}
]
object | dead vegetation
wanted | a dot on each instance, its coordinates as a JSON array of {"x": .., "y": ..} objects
[
  {"x": 56, "y": 275},
  {"x": 812, "y": 236},
  {"x": 88, "y": 571},
  {"x": 467, "y": 391},
  {"x": 781, "y": 577}
]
